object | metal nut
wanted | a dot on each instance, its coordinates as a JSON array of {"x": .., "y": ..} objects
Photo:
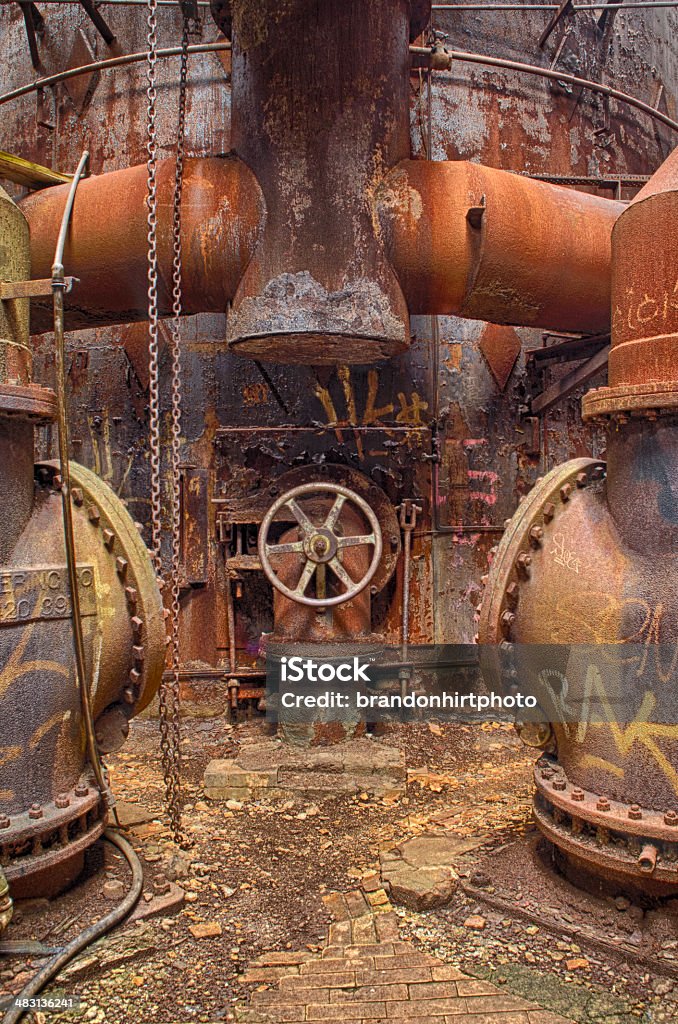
[
  {"x": 565, "y": 492},
  {"x": 671, "y": 819},
  {"x": 559, "y": 784},
  {"x": 548, "y": 511},
  {"x": 536, "y": 535},
  {"x": 603, "y": 804},
  {"x": 62, "y": 800},
  {"x": 82, "y": 789},
  {"x": 635, "y": 813},
  {"x": 578, "y": 794},
  {"x": 35, "y": 811}
]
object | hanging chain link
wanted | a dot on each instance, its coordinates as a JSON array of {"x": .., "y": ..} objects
[
  {"x": 170, "y": 721},
  {"x": 153, "y": 358}
]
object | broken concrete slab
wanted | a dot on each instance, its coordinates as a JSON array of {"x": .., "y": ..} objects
[
  {"x": 273, "y": 769},
  {"x": 420, "y": 872}
]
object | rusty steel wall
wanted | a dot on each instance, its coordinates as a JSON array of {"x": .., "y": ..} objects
[{"x": 243, "y": 425}]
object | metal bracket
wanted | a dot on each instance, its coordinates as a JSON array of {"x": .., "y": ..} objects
[
  {"x": 98, "y": 21},
  {"x": 41, "y": 286},
  {"x": 565, "y": 8},
  {"x": 573, "y": 380}
]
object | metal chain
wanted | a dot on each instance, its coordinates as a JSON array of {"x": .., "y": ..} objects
[
  {"x": 170, "y": 720},
  {"x": 153, "y": 359}
]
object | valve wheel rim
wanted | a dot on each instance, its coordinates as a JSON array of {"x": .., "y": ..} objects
[{"x": 308, "y": 546}]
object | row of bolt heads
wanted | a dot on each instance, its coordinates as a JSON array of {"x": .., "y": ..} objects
[
  {"x": 62, "y": 801},
  {"x": 634, "y": 812}
]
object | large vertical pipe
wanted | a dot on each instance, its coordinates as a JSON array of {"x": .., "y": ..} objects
[{"x": 320, "y": 114}]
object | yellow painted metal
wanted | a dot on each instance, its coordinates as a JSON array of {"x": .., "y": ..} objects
[{"x": 26, "y": 173}]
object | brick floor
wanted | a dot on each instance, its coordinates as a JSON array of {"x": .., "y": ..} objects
[{"x": 366, "y": 975}]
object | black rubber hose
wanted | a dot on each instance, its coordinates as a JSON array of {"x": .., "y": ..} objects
[{"x": 86, "y": 937}]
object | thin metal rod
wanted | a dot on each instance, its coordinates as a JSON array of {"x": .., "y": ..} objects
[
  {"x": 554, "y": 7},
  {"x": 58, "y": 286},
  {"x": 555, "y": 76},
  {"x": 109, "y": 62},
  {"x": 474, "y": 58}
]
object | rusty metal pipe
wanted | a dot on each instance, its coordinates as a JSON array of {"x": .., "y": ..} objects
[
  {"x": 222, "y": 213},
  {"x": 491, "y": 245},
  {"x": 593, "y": 561}
]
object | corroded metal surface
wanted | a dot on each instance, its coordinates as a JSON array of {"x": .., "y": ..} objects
[
  {"x": 221, "y": 211},
  {"x": 481, "y": 243},
  {"x": 320, "y": 100},
  {"x": 643, "y": 377},
  {"x": 243, "y": 430},
  {"x": 587, "y": 561}
]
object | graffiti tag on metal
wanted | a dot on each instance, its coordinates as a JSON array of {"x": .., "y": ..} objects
[{"x": 42, "y": 592}]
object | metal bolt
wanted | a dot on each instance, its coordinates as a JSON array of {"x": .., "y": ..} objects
[
  {"x": 559, "y": 784},
  {"x": 549, "y": 510},
  {"x": 134, "y": 676},
  {"x": 93, "y": 515},
  {"x": 536, "y": 534},
  {"x": 582, "y": 479},
  {"x": 121, "y": 566},
  {"x": 128, "y": 695},
  {"x": 4, "y": 821},
  {"x": 603, "y": 804},
  {"x": 394, "y": 540},
  {"x": 635, "y": 813},
  {"x": 547, "y": 773},
  {"x": 507, "y": 620},
  {"x": 131, "y": 595},
  {"x": 77, "y": 495},
  {"x": 671, "y": 819},
  {"x": 523, "y": 563},
  {"x": 138, "y": 653},
  {"x": 578, "y": 794},
  {"x": 35, "y": 811},
  {"x": 57, "y": 482},
  {"x": 565, "y": 492},
  {"x": 82, "y": 789},
  {"x": 137, "y": 626},
  {"x": 62, "y": 800},
  {"x": 109, "y": 539},
  {"x": 512, "y": 594}
]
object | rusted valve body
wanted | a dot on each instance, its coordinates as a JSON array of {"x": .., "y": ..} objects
[
  {"x": 594, "y": 561},
  {"x": 50, "y": 807}
]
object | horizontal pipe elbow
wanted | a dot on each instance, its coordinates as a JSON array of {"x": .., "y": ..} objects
[
  {"x": 491, "y": 245},
  {"x": 222, "y": 212}
]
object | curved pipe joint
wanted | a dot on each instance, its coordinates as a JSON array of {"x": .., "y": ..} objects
[
  {"x": 490, "y": 245},
  {"x": 222, "y": 213}
]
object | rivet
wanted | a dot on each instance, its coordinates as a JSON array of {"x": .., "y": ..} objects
[
  {"x": 549, "y": 510},
  {"x": 582, "y": 479},
  {"x": 578, "y": 794},
  {"x": 121, "y": 566},
  {"x": 62, "y": 800},
  {"x": 109, "y": 539},
  {"x": 35, "y": 811},
  {"x": 77, "y": 496},
  {"x": 565, "y": 492},
  {"x": 536, "y": 534},
  {"x": 671, "y": 819},
  {"x": 93, "y": 515},
  {"x": 635, "y": 813},
  {"x": 82, "y": 789},
  {"x": 603, "y": 804}
]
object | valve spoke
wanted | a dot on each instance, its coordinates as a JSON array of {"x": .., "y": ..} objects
[
  {"x": 305, "y": 577},
  {"x": 339, "y": 571},
  {"x": 356, "y": 541},
  {"x": 334, "y": 512},
  {"x": 295, "y": 546},
  {"x": 300, "y": 516}
]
